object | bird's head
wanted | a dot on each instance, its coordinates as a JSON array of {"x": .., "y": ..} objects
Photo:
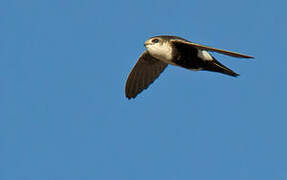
[
  {"x": 159, "y": 47},
  {"x": 154, "y": 41}
]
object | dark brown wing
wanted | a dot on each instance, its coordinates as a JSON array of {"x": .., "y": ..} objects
[
  {"x": 229, "y": 53},
  {"x": 146, "y": 70}
]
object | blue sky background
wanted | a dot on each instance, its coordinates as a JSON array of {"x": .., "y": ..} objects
[{"x": 63, "y": 113}]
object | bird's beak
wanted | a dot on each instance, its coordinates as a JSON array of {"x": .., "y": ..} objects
[{"x": 147, "y": 43}]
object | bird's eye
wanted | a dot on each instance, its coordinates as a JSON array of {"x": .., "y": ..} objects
[{"x": 155, "y": 41}]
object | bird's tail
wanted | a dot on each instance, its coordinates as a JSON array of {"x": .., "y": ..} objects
[{"x": 216, "y": 66}]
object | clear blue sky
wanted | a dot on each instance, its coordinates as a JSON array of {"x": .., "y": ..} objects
[{"x": 63, "y": 113}]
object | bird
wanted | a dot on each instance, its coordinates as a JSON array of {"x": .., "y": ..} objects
[{"x": 166, "y": 50}]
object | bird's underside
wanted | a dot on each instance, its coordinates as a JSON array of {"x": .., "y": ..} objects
[{"x": 184, "y": 54}]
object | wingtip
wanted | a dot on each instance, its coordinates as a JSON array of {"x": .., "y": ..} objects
[
  {"x": 250, "y": 57},
  {"x": 130, "y": 97},
  {"x": 243, "y": 56}
]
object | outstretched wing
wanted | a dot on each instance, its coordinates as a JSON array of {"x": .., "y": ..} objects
[
  {"x": 146, "y": 70},
  {"x": 229, "y": 53}
]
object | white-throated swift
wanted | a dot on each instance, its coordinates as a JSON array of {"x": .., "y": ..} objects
[{"x": 163, "y": 50}]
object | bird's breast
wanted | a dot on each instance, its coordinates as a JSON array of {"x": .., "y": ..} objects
[{"x": 162, "y": 53}]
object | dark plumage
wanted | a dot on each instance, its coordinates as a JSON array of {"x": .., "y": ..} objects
[
  {"x": 184, "y": 53},
  {"x": 146, "y": 70},
  {"x": 164, "y": 50}
]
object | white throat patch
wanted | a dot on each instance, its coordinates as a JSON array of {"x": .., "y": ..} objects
[{"x": 161, "y": 51}]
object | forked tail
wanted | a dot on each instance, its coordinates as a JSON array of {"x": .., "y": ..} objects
[{"x": 216, "y": 66}]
